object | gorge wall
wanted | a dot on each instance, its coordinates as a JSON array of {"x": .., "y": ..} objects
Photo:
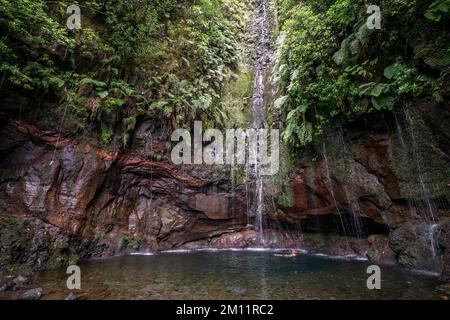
[
  {"x": 384, "y": 180},
  {"x": 60, "y": 199},
  {"x": 370, "y": 195}
]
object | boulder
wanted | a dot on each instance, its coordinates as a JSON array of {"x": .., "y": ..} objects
[
  {"x": 71, "y": 297},
  {"x": 415, "y": 246},
  {"x": 6, "y": 285},
  {"x": 33, "y": 294},
  {"x": 379, "y": 251},
  {"x": 20, "y": 282}
]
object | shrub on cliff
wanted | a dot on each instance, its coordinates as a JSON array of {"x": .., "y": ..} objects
[
  {"x": 331, "y": 66},
  {"x": 164, "y": 59}
]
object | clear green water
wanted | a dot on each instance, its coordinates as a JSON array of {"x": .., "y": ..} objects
[{"x": 235, "y": 275}]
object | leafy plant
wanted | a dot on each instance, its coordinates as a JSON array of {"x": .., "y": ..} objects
[
  {"x": 437, "y": 10},
  {"x": 330, "y": 66},
  {"x": 163, "y": 59}
]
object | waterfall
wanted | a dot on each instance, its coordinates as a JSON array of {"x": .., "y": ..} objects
[
  {"x": 433, "y": 229},
  {"x": 411, "y": 205},
  {"x": 357, "y": 225},
  {"x": 418, "y": 163},
  {"x": 330, "y": 186},
  {"x": 411, "y": 154},
  {"x": 233, "y": 188},
  {"x": 354, "y": 225},
  {"x": 261, "y": 59}
]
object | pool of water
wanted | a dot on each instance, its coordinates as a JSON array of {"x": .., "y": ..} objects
[{"x": 234, "y": 275}]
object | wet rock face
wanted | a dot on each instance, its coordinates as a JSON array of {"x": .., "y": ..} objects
[
  {"x": 444, "y": 245},
  {"x": 378, "y": 190},
  {"x": 415, "y": 247},
  {"x": 92, "y": 202},
  {"x": 387, "y": 177},
  {"x": 379, "y": 250}
]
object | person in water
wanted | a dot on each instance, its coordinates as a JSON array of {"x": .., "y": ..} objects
[
  {"x": 293, "y": 254},
  {"x": 290, "y": 255}
]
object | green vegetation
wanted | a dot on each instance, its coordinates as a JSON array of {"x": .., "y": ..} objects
[
  {"x": 331, "y": 67},
  {"x": 166, "y": 60},
  {"x": 176, "y": 61},
  {"x": 21, "y": 242}
]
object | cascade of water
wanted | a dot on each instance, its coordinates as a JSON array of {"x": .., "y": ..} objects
[
  {"x": 151, "y": 173},
  {"x": 399, "y": 131},
  {"x": 330, "y": 186},
  {"x": 59, "y": 134},
  {"x": 246, "y": 182},
  {"x": 356, "y": 223},
  {"x": 412, "y": 153},
  {"x": 259, "y": 200},
  {"x": 233, "y": 188},
  {"x": 418, "y": 163},
  {"x": 411, "y": 203},
  {"x": 433, "y": 229},
  {"x": 261, "y": 59}
]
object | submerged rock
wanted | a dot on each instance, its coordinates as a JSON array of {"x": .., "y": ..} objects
[
  {"x": 445, "y": 288},
  {"x": 71, "y": 297},
  {"x": 20, "y": 282},
  {"x": 6, "y": 285},
  {"x": 33, "y": 294}
]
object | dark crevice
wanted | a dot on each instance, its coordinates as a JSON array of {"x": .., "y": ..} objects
[{"x": 332, "y": 224}]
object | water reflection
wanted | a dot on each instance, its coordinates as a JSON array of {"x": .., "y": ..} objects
[{"x": 235, "y": 275}]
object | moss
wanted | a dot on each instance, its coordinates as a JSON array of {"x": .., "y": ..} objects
[
  {"x": 106, "y": 134},
  {"x": 129, "y": 243},
  {"x": 15, "y": 241},
  {"x": 134, "y": 244},
  {"x": 237, "y": 99},
  {"x": 240, "y": 176},
  {"x": 286, "y": 198},
  {"x": 27, "y": 245}
]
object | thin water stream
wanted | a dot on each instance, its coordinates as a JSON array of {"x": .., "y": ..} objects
[
  {"x": 420, "y": 205},
  {"x": 262, "y": 57}
]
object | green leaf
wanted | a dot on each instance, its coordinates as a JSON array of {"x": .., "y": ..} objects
[
  {"x": 103, "y": 94},
  {"x": 339, "y": 57},
  {"x": 291, "y": 115},
  {"x": 366, "y": 88},
  {"x": 56, "y": 82},
  {"x": 158, "y": 105},
  {"x": 93, "y": 82},
  {"x": 303, "y": 107},
  {"x": 280, "y": 102},
  {"x": 379, "y": 89},
  {"x": 383, "y": 102},
  {"x": 392, "y": 71}
]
